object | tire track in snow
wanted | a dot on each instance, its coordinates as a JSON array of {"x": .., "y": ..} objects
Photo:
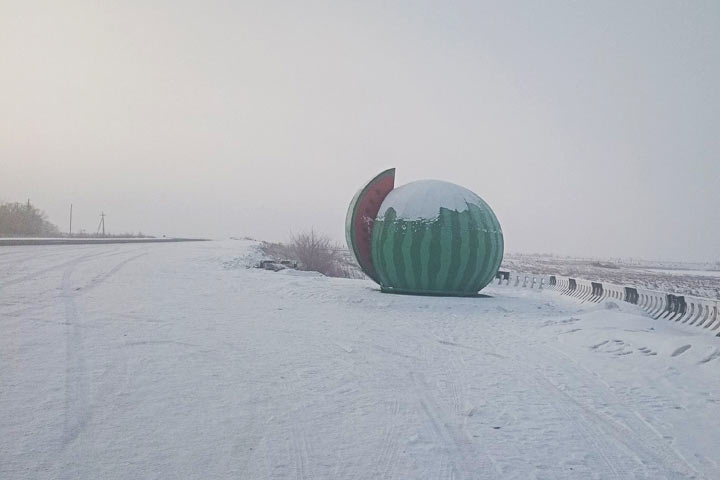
[
  {"x": 357, "y": 363},
  {"x": 77, "y": 409},
  {"x": 612, "y": 463},
  {"x": 100, "y": 279},
  {"x": 92, "y": 284},
  {"x": 634, "y": 431},
  {"x": 295, "y": 437},
  {"x": 451, "y": 438},
  {"x": 300, "y": 452},
  {"x": 439, "y": 401},
  {"x": 454, "y": 378},
  {"x": 65, "y": 264},
  {"x": 389, "y": 447},
  {"x": 641, "y": 443},
  {"x": 615, "y": 466},
  {"x": 9, "y": 266}
]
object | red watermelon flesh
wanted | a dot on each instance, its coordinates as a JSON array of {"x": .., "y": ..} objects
[{"x": 361, "y": 215}]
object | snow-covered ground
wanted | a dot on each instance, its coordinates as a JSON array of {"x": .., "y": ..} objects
[
  {"x": 160, "y": 361},
  {"x": 695, "y": 279}
]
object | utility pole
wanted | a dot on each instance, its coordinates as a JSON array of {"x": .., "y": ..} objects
[
  {"x": 70, "y": 231},
  {"x": 102, "y": 223}
]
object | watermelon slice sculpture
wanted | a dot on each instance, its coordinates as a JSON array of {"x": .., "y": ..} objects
[
  {"x": 427, "y": 237},
  {"x": 361, "y": 217}
]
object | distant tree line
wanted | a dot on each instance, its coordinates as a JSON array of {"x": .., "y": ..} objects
[{"x": 24, "y": 219}]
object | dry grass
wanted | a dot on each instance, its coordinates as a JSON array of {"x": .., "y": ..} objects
[{"x": 314, "y": 252}]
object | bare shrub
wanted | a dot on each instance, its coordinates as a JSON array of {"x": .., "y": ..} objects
[{"x": 314, "y": 252}]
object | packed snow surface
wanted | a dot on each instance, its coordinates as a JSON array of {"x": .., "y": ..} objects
[
  {"x": 422, "y": 200},
  {"x": 157, "y": 361}
]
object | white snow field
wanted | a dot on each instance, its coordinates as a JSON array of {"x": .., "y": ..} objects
[{"x": 174, "y": 361}]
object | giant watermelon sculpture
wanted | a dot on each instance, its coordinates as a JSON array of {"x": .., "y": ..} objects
[{"x": 427, "y": 237}]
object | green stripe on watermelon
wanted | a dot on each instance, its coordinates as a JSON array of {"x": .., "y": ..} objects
[
  {"x": 484, "y": 248},
  {"x": 378, "y": 235},
  {"x": 397, "y": 254},
  {"x": 434, "y": 258},
  {"x": 474, "y": 251},
  {"x": 424, "y": 258},
  {"x": 464, "y": 251},
  {"x": 459, "y": 237},
  {"x": 407, "y": 251},
  {"x": 446, "y": 249},
  {"x": 495, "y": 233},
  {"x": 388, "y": 243}
]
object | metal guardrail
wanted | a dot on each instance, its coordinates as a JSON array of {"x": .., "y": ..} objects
[{"x": 686, "y": 309}]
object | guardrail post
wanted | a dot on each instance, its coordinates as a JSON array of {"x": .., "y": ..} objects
[
  {"x": 597, "y": 291},
  {"x": 681, "y": 308},
  {"x": 572, "y": 286},
  {"x": 631, "y": 295}
]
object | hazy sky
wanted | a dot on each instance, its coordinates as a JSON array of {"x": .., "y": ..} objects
[{"x": 591, "y": 128}]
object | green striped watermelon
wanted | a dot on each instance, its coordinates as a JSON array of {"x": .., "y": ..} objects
[{"x": 435, "y": 238}]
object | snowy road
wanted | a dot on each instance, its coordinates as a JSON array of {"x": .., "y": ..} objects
[{"x": 173, "y": 361}]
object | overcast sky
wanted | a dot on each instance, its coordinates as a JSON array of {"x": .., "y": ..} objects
[{"x": 591, "y": 128}]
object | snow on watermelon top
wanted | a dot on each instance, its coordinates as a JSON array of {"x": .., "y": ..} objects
[{"x": 423, "y": 199}]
